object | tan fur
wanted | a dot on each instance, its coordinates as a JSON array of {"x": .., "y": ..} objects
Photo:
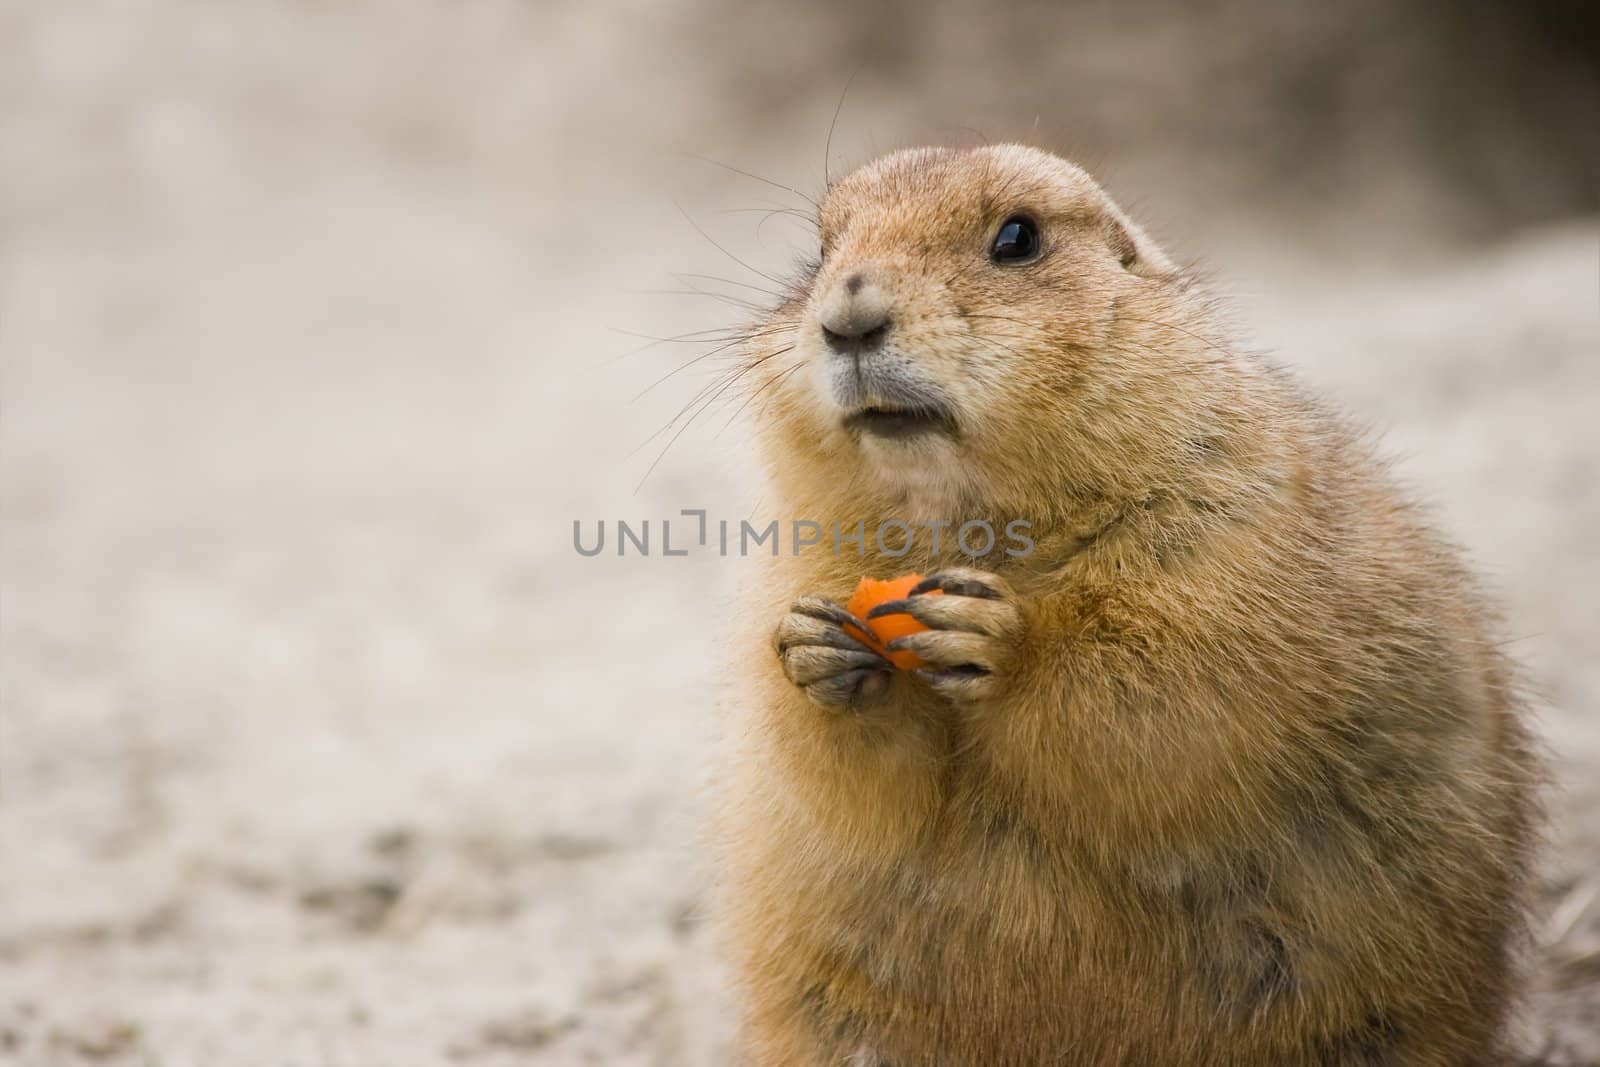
[{"x": 1248, "y": 783}]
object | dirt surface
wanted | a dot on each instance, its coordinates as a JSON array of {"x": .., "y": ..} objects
[{"x": 319, "y": 744}]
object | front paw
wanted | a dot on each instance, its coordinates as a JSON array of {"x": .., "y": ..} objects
[
  {"x": 832, "y": 667},
  {"x": 973, "y": 632}
]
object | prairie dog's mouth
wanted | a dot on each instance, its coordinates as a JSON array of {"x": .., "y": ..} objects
[{"x": 884, "y": 420}]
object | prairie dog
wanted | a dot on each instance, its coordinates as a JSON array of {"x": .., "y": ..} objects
[{"x": 1226, "y": 770}]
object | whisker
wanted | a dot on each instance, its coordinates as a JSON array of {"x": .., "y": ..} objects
[
  {"x": 827, "y": 147},
  {"x": 792, "y": 212},
  {"x": 693, "y": 337},
  {"x": 724, "y": 376},
  {"x": 688, "y": 338},
  {"x": 726, "y": 298},
  {"x": 1002, "y": 318},
  {"x": 782, "y": 377},
  {"x": 680, "y": 368},
  {"x": 684, "y": 410},
  {"x": 756, "y": 177},
  {"x": 703, "y": 337},
  {"x": 729, "y": 281},
  {"x": 707, "y": 355},
  {"x": 701, "y": 231},
  {"x": 1177, "y": 329},
  {"x": 769, "y": 383},
  {"x": 728, "y": 383}
]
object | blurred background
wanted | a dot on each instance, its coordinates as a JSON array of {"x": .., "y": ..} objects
[{"x": 321, "y": 323}]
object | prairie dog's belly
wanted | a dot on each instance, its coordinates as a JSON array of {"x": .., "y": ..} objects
[
  {"x": 997, "y": 949},
  {"x": 1027, "y": 958}
]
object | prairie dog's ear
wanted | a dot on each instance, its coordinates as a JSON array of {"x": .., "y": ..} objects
[{"x": 1133, "y": 248}]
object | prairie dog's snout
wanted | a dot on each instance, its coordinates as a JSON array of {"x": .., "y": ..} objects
[
  {"x": 857, "y": 309},
  {"x": 880, "y": 379}
]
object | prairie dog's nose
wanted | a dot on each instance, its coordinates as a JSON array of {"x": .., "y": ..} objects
[{"x": 856, "y": 309}]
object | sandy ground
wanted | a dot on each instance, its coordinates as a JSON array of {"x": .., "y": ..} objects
[{"x": 318, "y": 742}]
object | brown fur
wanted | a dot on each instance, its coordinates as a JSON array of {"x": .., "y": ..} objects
[{"x": 1246, "y": 781}]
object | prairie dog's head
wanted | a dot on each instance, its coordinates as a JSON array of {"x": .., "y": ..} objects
[{"x": 973, "y": 323}]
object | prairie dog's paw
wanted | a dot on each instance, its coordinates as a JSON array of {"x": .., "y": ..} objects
[
  {"x": 833, "y": 668},
  {"x": 973, "y": 632}
]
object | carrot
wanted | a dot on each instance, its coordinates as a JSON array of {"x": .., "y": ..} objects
[{"x": 877, "y": 633}]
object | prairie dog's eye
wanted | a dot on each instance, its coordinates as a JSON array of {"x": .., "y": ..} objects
[{"x": 1018, "y": 240}]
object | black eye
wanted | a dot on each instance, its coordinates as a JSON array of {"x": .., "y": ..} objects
[{"x": 1017, "y": 240}]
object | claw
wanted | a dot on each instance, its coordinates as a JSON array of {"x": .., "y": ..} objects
[
  {"x": 810, "y": 664},
  {"x": 891, "y": 607},
  {"x": 951, "y": 649},
  {"x": 958, "y": 685},
  {"x": 962, "y": 582},
  {"x": 994, "y": 618},
  {"x": 800, "y": 629},
  {"x": 819, "y": 608}
]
